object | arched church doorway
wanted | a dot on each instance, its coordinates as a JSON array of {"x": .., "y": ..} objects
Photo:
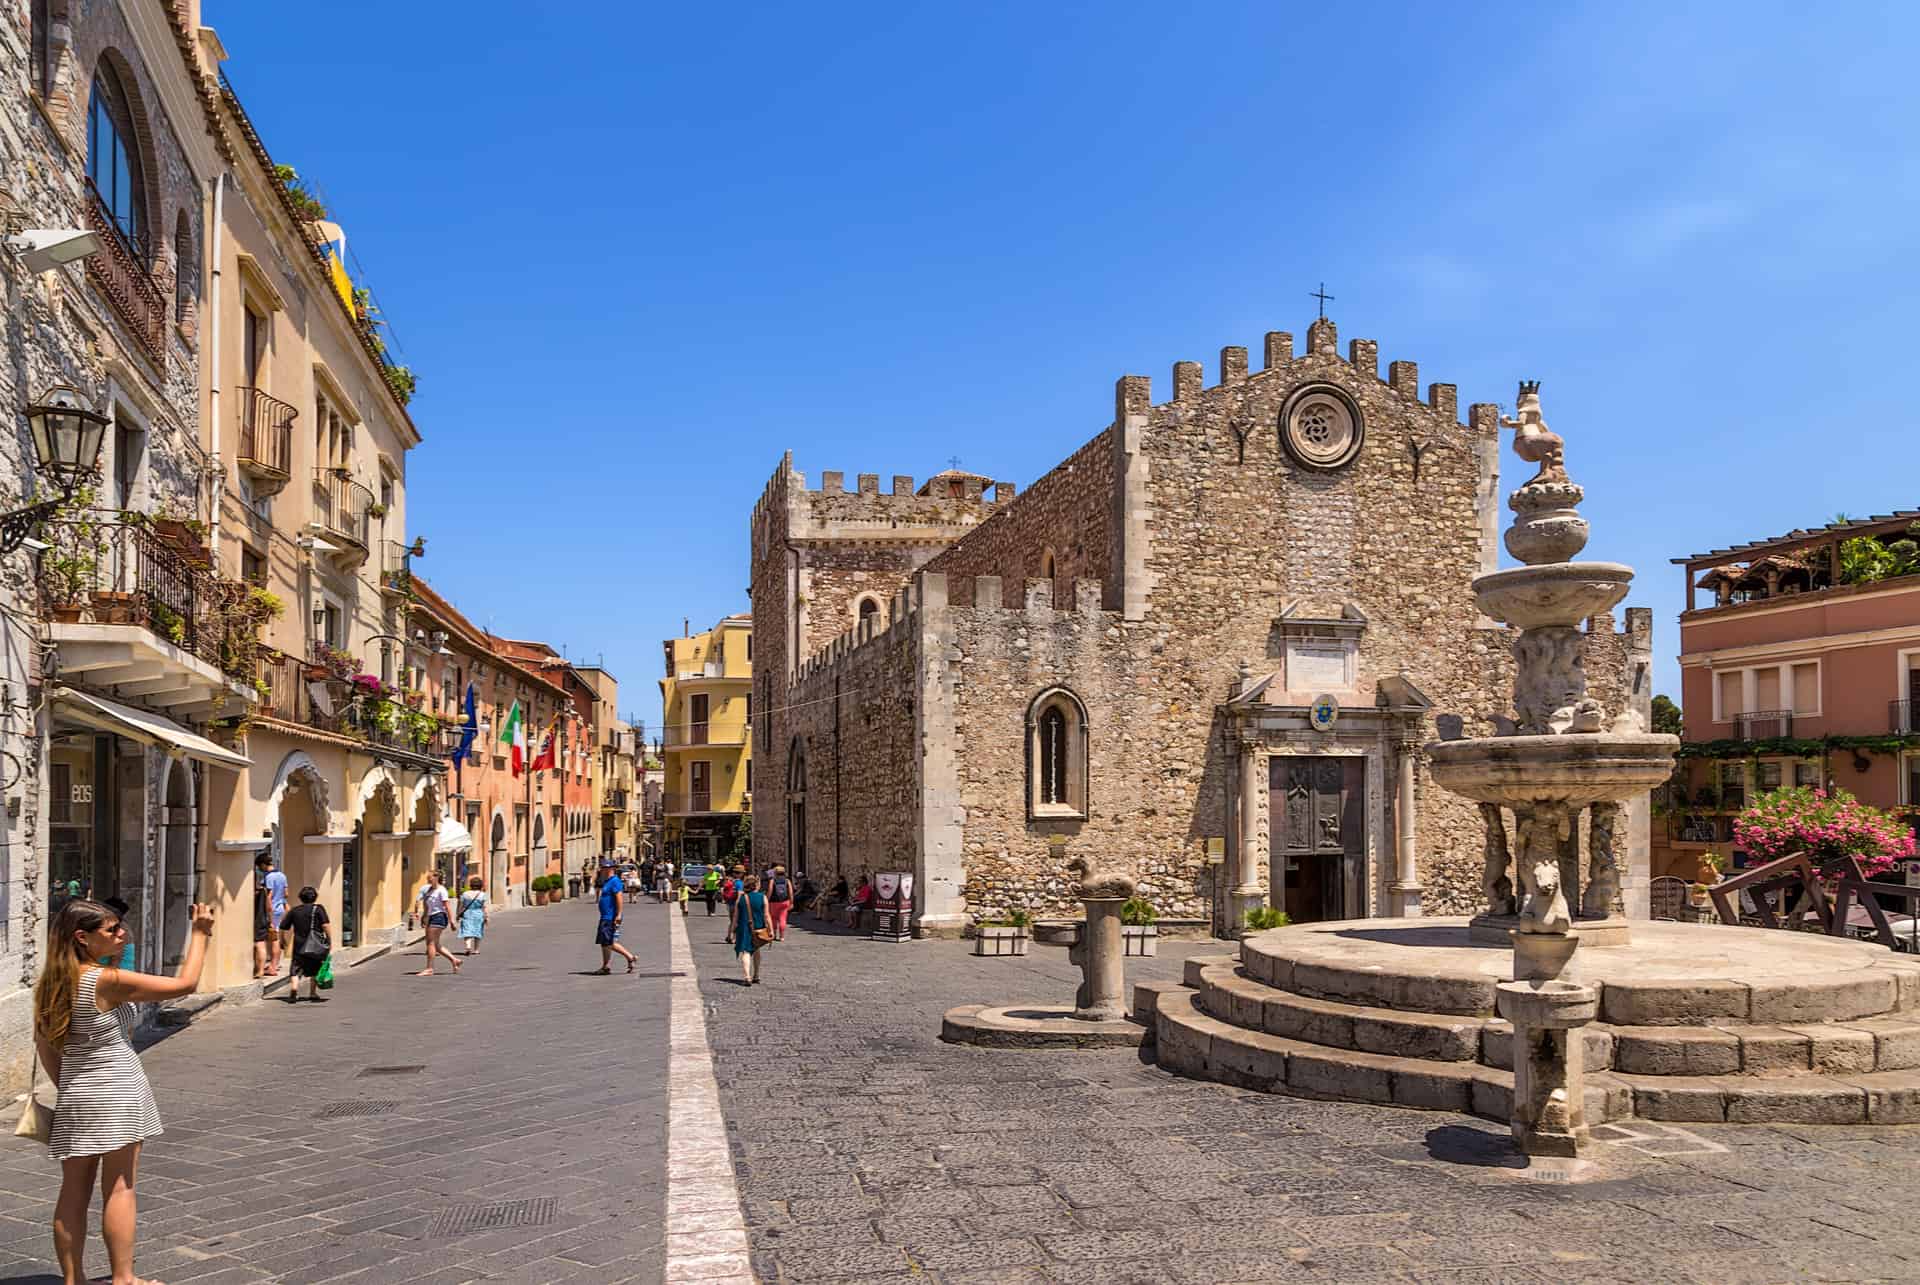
[{"x": 177, "y": 830}]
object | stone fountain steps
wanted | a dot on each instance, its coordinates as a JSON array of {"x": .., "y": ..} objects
[
  {"x": 1884, "y": 1043},
  {"x": 1209, "y": 1028}
]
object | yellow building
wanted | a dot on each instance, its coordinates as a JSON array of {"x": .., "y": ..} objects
[{"x": 709, "y": 766}]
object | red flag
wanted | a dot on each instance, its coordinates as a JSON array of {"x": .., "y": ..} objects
[{"x": 543, "y": 761}]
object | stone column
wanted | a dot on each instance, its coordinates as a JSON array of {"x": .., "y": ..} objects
[
  {"x": 1549, "y": 1115},
  {"x": 1246, "y": 882},
  {"x": 1405, "y": 889},
  {"x": 1102, "y": 996}
]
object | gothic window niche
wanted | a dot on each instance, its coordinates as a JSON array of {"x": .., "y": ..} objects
[
  {"x": 869, "y": 608},
  {"x": 1056, "y": 756}
]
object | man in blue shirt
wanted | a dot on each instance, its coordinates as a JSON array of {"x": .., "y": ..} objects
[{"x": 607, "y": 936}]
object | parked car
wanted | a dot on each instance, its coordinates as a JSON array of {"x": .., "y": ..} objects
[{"x": 693, "y": 872}]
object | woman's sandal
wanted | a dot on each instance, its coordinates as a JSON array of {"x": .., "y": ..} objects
[
  {"x": 630, "y": 965},
  {"x": 603, "y": 972}
]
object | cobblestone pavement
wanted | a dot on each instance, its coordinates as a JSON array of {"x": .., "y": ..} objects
[
  {"x": 290, "y": 1156},
  {"x": 867, "y": 1150}
]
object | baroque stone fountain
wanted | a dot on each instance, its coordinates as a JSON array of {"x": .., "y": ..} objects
[{"x": 1563, "y": 758}]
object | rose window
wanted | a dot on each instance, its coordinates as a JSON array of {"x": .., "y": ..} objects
[{"x": 1320, "y": 427}]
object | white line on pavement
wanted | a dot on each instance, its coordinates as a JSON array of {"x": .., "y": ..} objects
[{"x": 706, "y": 1234}]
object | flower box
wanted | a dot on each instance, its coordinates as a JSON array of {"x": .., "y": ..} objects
[
  {"x": 999, "y": 940},
  {"x": 1141, "y": 940}
]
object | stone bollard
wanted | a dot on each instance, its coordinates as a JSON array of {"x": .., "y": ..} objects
[
  {"x": 1549, "y": 1115},
  {"x": 1101, "y": 955}
]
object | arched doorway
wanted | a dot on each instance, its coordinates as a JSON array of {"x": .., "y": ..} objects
[
  {"x": 177, "y": 819},
  {"x": 497, "y": 857},
  {"x": 357, "y": 892}
]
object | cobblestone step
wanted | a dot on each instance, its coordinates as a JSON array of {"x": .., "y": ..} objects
[
  {"x": 1858, "y": 1046},
  {"x": 1193, "y": 1042},
  {"x": 1877, "y": 1097}
]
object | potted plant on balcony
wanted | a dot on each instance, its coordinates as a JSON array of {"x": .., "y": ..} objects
[
  {"x": 376, "y": 510},
  {"x": 1002, "y": 935},
  {"x": 67, "y": 576},
  {"x": 1138, "y": 934},
  {"x": 168, "y": 623}
]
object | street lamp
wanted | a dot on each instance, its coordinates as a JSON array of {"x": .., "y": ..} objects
[{"x": 66, "y": 445}]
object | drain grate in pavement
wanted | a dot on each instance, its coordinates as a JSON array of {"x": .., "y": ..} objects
[
  {"x": 367, "y": 1071},
  {"x": 340, "y": 1110},
  {"x": 507, "y": 1213}
]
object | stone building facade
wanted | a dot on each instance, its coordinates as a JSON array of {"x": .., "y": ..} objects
[{"x": 1207, "y": 647}]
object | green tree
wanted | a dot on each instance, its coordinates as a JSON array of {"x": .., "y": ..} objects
[
  {"x": 742, "y": 839},
  {"x": 1666, "y": 716}
]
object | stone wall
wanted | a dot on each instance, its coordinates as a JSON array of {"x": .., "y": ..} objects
[
  {"x": 1068, "y": 513},
  {"x": 1226, "y": 542}
]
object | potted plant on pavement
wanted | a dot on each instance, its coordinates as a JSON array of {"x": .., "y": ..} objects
[
  {"x": 1261, "y": 918},
  {"x": 1002, "y": 935},
  {"x": 1138, "y": 934}
]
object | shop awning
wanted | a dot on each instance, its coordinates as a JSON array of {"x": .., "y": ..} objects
[
  {"x": 141, "y": 725},
  {"x": 452, "y": 837}
]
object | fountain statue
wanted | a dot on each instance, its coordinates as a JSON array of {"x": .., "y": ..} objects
[{"x": 1561, "y": 759}]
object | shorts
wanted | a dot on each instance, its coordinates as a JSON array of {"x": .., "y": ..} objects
[
  {"x": 607, "y": 933},
  {"x": 436, "y": 921},
  {"x": 262, "y": 935},
  {"x": 307, "y": 965}
]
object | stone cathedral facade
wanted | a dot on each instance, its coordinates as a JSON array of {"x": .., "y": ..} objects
[{"x": 1207, "y": 647}]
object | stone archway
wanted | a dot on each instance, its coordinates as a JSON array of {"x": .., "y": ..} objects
[
  {"x": 179, "y": 881},
  {"x": 297, "y": 806},
  {"x": 537, "y": 858},
  {"x": 497, "y": 854}
]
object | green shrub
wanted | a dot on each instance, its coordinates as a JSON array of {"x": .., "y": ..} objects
[
  {"x": 1261, "y": 918},
  {"x": 1137, "y": 912}
]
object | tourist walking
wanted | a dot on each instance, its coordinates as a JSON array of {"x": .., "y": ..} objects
[
  {"x": 779, "y": 901},
  {"x": 83, "y": 1016},
  {"x": 646, "y": 875},
  {"x": 751, "y": 928},
  {"x": 710, "y": 887},
  {"x": 607, "y": 935},
  {"x": 269, "y": 903},
  {"x": 684, "y": 892},
  {"x": 436, "y": 915},
  {"x": 473, "y": 915},
  {"x": 730, "y": 893},
  {"x": 663, "y": 876},
  {"x": 308, "y": 945}
]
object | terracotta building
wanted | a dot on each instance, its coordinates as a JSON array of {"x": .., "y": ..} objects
[
  {"x": 1799, "y": 665},
  {"x": 1130, "y": 655},
  {"x": 507, "y": 831}
]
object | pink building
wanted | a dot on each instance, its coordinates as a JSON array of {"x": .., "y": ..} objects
[{"x": 1800, "y": 664}]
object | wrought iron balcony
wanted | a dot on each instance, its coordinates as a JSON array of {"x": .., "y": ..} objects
[
  {"x": 310, "y": 694},
  {"x": 125, "y": 281},
  {"x": 1904, "y": 716},
  {"x": 688, "y": 804},
  {"x": 616, "y": 801},
  {"x": 1763, "y": 724},
  {"x": 266, "y": 440},
  {"x": 340, "y": 511},
  {"x": 131, "y": 610}
]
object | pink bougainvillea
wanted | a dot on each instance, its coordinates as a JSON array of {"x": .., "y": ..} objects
[{"x": 1825, "y": 827}]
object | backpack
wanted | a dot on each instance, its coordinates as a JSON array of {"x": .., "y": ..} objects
[
  {"x": 781, "y": 890},
  {"x": 727, "y": 890}
]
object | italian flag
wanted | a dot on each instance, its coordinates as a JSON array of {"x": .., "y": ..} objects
[{"x": 514, "y": 732}]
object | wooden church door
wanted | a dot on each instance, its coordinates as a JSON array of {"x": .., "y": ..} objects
[{"x": 1316, "y": 806}]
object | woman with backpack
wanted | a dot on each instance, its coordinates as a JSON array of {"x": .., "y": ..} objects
[
  {"x": 730, "y": 893},
  {"x": 752, "y": 928},
  {"x": 779, "y": 901},
  {"x": 308, "y": 945}
]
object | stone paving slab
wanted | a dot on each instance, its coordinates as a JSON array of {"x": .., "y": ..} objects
[
  {"x": 537, "y": 1082},
  {"x": 867, "y": 1150}
]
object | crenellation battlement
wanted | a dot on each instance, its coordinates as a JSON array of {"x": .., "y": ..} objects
[
  {"x": 1133, "y": 394},
  {"x": 963, "y": 486}
]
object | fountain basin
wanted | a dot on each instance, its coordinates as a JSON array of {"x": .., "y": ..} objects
[
  {"x": 1575, "y": 769},
  {"x": 1058, "y": 932},
  {"x": 1559, "y": 593},
  {"x": 1554, "y": 1005}
]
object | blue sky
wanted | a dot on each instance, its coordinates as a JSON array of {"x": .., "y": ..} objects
[{"x": 635, "y": 252}]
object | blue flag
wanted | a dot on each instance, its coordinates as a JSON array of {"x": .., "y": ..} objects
[{"x": 468, "y": 731}]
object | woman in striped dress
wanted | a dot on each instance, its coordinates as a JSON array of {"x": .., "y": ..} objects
[{"x": 82, "y": 1017}]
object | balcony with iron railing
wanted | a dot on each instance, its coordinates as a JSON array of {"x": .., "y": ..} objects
[
  {"x": 123, "y": 278},
  {"x": 131, "y": 609},
  {"x": 1904, "y": 716},
  {"x": 1763, "y": 724},
  {"x": 341, "y": 512},
  {"x": 311, "y": 693},
  {"x": 266, "y": 440},
  {"x": 692, "y": 803},
  {"x": 616, "y": 801}
]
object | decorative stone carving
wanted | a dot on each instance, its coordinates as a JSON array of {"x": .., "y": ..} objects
[
  {"x": 1584, "y": 715},
  {"x": 1321, "y": 426},
  {"x": 1549, "y": 676},
  {"x": 1603, "y": 864},
  {"x": 1533, "y": 441},
  {"x": 1104, "y": 885},
  {"x": 1494, "y": 881},
  {"x": 1544, "y": 906}
]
